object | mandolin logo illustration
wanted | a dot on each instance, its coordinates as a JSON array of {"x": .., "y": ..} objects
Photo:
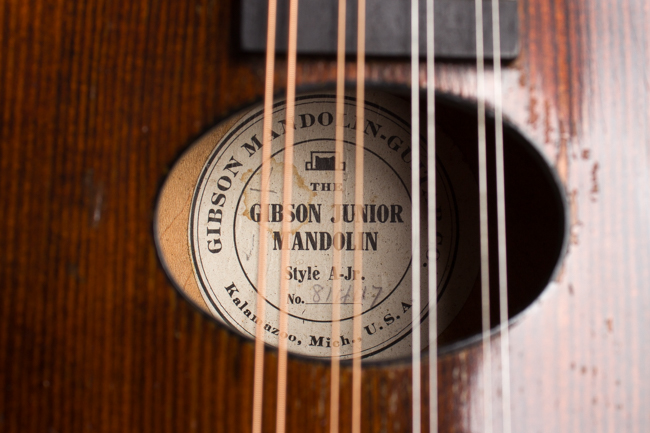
[
  {"x": 322, "y": 161},
  {"x": 224, "y": 231}
]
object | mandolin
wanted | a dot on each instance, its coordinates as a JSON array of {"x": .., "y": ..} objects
[{"x": 124, "y": 121}]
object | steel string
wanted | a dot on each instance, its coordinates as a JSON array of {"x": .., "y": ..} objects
[
  {"x": 415, "y": 219},
  {"x": 358, "y": 222},
  {"x": 287, "y": 190},
  {"x": 338, "y": 200},
  {"x": 258, "y": 378},
  {"x": 483, "y": 222},
  {"x": 501, "y": 223},
  {"x": 431, "y": 220}
]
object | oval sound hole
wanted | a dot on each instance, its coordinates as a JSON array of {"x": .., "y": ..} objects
[
  {"x": 535, "y": 217},
  {"x": 216, "y": 191}
]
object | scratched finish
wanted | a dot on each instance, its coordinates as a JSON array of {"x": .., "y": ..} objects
[{"x": 99, "y": 97}]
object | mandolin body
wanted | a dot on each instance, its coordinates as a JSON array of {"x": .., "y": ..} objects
[{"x": 100, "y": 98}]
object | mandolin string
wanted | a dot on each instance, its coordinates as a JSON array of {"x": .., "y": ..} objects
[
  {"x": 501, "y": 223},
  {"x": 287, "y": 190},
  {"x": 483, "y": 217},
  {"x": 338, "y": 200},
  {"x": 415, "y": 219},
  {"x": 431, "y": 220},
  {"x": 358, "y": 222},
  {"x": 258, "y": 375}
]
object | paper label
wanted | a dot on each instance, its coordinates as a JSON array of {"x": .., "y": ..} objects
[{"x": 225, "y": 229}]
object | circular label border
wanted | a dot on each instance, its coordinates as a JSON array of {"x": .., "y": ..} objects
[{"x": 229, "y": 139}]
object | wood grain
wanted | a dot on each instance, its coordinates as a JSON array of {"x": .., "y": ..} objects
[{"x": 98, "y": 98}]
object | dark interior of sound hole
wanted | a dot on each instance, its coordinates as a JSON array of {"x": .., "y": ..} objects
[{"x": 535, "y": 217}]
